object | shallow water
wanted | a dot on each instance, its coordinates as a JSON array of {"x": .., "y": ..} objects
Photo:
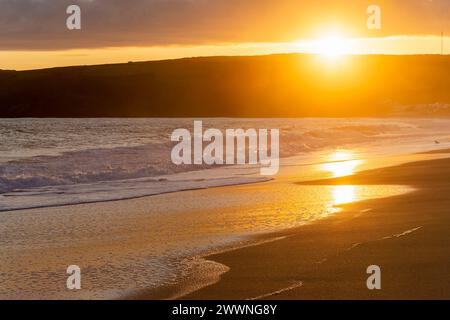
[
  {"x": 126, "y": 246},
  {"x": 47, "y": 162},
  {"x": 130, "y": 245}
]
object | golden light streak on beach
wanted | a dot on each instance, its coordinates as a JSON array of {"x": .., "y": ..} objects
[
  {"x": 342, "y": 164},
  {"x": 344, "y": 194},
  {"x": 341, "y": 169}
]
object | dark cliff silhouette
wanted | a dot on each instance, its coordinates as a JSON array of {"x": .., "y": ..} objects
[{"x": 291, "y": 85}]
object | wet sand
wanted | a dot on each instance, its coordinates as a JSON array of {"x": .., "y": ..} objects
[
  {"x": 125, "y": 247},
  {"x": 406, "y": 235}
]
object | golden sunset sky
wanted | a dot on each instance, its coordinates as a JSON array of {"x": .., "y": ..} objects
[{"x": 33, "y": 33}]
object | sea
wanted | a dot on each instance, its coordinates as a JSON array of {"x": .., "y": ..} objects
[{"x": 104, "y": 194}]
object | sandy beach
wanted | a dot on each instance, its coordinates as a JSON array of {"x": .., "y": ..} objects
[
  {"x": 229, "y": 243},
  {"x": 407, "y": 236}
]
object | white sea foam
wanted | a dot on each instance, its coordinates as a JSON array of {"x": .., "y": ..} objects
[
  {"x": 128, "y": 246},
  {"x": 48, "y": 162}
]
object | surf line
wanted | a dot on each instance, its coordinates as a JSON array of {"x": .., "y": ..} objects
[
  {"x": 295, "y": 285},
  {"x": 229, "y": 148}
]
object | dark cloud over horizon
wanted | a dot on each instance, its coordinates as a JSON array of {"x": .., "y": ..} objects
[{"x": 40, "y": 24}]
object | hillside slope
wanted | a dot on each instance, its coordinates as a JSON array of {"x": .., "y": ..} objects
[{"x": 291, "y": 85}]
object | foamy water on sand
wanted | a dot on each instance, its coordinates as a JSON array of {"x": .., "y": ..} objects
[
  {"x": 131, "y": 245},
  {"x": 127, "y": 246},
  {"x": 47, "y": 162}
]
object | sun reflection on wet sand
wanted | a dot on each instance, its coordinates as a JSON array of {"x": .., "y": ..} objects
[
  {"x": 343, "y": 194},
  {"x": 341, "y": 169},
  {"x": 343, "y": 164}
]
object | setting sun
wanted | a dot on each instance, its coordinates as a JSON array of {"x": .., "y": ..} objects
[
  {"x": 341, "y": 155},
  {"x": 332, "y": 46}
]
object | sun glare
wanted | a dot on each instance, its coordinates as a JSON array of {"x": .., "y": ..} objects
[
  {"x": 341, "y": 155},
  {"x": 332, "y": 46}
]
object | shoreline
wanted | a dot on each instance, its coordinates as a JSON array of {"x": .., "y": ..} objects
[
  {"x": 121, "y": 234},
  {"x": 87, "y": 202},
  {"x": 172, "y": 183},
  {"x": 260, "y": 270},
  {"x": 205, "y": 272}
]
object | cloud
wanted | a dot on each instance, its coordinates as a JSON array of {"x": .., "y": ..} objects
[{"x": 40, "y": 24}]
